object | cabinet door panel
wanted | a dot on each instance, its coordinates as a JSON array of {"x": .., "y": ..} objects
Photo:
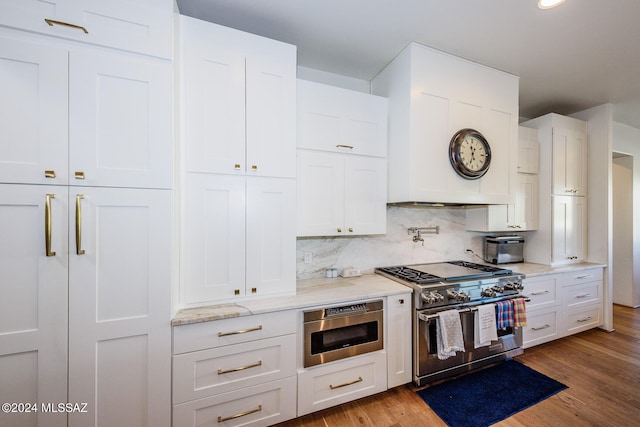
[
  {"x": 270, "y": 239},
  {"x": 120, "y": 121},
  {"x": 569, "y": 229},
  {"x": 214, "y": 223},
  {"x": 33, "y": 308},
  {"x": 365, "y": 195},
  {"x": 33, "y": 113},
  {"x": 141, "y": 26},
  {"x": 569, "y": 162},
  {"x": 213, "y": 111},
  {"x": 271, "y": 110},
  {"x": 320, "y": 193},
  {"x": 119, "y": 317}
]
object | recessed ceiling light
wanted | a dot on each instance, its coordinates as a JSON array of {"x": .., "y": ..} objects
[{"x": 548, "y": 4}]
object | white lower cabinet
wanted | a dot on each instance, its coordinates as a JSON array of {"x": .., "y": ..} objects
[
  {"x": 331, "y": 384},
  {"x": 237, "y": 371},
  {"x": 562, "y": 304},
  {"x": 398, "y": 340}
]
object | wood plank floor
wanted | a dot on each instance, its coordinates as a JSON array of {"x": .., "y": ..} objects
[{"x": 602, "y": 370}]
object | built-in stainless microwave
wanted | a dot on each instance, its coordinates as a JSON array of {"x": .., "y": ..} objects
[{"x": 338, "y": 332}]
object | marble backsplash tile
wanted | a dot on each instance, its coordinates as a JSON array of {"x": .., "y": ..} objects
[{"x": 396, "y": 247}]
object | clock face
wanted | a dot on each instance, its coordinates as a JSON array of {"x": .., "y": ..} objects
[{"x": 469, "y": 153}]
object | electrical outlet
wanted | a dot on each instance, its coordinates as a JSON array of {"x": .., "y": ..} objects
[{"x": 308, "y": 257}]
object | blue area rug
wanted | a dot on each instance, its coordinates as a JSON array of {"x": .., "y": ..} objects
[{"x": 489, "y": 395}]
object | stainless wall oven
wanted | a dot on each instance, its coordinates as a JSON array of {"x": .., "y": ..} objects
[{"x": 335, "y": 333}]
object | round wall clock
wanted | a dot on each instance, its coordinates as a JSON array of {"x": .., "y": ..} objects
[{"x": 469, "y": 153}]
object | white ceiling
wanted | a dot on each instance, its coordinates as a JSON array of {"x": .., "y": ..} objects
[{"x": 581, "y": 54}]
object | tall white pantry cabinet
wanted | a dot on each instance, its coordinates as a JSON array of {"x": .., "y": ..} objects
[{"x": 86, "y": 211}]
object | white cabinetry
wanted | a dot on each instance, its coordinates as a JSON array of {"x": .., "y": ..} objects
[
  {"x": 399, "y": 340},
  {"x": 562, "y": 229},
  {"x": 238, "y": 144},
  {"x": 342, "y": 166},
  {"x": 427, "y": 106},
  {"x": 523, "y": 214},
  {"x": 239, "y": 101},
  {"x": 90, "y": 262},
  {"x": 242, "y": 369},
  {"x": 562, "y": 304},
  {"x": 142, "y": 26}
]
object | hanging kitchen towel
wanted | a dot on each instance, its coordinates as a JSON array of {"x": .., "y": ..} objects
[
  {"x": 504, "y": 314},
  {"x": 519, "y": 312},
  {"x": 449, "y": 334},
  {"x": 485, "y": 329}
]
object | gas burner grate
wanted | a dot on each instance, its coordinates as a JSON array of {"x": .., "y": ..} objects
[
  {"x": 481, "y": 267},
  {"x": 409, "y": 274}
]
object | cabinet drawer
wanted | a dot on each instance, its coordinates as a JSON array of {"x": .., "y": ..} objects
[
  {"x": 582, "y": 276},
  {"x": 260, "y": 405},
  {"x": 581, "y": 294},
  {"x": 216, "y": 333},
  {"x": 222, "y": 369},
  {"x": 542, "y": 291},
  {"x": 583, "y": 319},
  {"x": 541, "y": 327},
  {"x": 339, "y": 382}
]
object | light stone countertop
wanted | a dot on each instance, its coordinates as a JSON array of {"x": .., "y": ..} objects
[
  {"x": 310, "y": 293},
  {"x": 318, "y": 292}
]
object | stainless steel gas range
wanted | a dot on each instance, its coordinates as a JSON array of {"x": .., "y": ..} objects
[{"x": 463, "y": 286}]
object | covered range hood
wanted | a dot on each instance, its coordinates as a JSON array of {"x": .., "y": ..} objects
[{"x": 432, "y": 95}]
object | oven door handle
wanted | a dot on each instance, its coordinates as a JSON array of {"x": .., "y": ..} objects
[{"x": 428, "y": 317}]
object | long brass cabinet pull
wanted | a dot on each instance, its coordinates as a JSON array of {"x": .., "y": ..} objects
[
  {"x": 333, "y": 387},
  {"x": 79, "y": 250},
  {"x": 244, "y": 331},
  {"x": 539, "y": 293},
  {"x": 241, "y": 414},
  {"x": 539, "y": 328},
  {"x": 53, "y": 22},
  {"x": 47, "y": 225},
  {"x": 586, "y": 319},
  {"x": 350, "y": 147},
  {"x": 242, "y": 368}
]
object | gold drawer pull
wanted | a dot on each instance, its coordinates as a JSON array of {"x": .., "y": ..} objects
[
  {"x": 583, "y": 295},
  {"x": 333, "y": 387},
  {"x": 49, "y": 174},
  {"x": 586, "y": 319},
  {"x": 47, "y": 225},
  {"x": 241, "y": 414},
  {"x": 586, "y": 276},
  {"x": 78, "y": 175},
  {"x": 51, "y": 22},
  {"x": 539, "y": 293},
  {"x": 350, "y": 147},
  {"x": 79, "y": 250},
  {"x": 242, "y": 368},
  {"x": 236, "y": 166},
  {"x": 254, "y": 167},
  {"x": 244, "y": 331},
  {"x": 539, "y": 328}
]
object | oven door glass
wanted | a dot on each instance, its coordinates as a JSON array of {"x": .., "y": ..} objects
[{"x": 342, "y": 337}]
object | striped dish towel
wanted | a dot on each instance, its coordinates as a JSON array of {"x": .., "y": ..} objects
[
  {"x": 504, "y": 314},
  {"x": 519, "y": 312}
]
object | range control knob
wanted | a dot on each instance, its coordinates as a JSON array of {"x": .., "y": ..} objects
[
  {"x": 488, "y": 292},
  {"x": 458, "y": 296}
]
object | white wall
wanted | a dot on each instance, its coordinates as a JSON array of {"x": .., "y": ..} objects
[
  {"x": 332, "y": 79},
  {"x": 626, "y": 139}
]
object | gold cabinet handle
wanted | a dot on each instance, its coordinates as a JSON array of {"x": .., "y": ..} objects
[
  {"x": 47, "y": 225},
  {"x": 53, "y": 22},
  {"x": 333, "y": 387},
  {"x": 539, "y": 328},
  {"x": 350, "y": 147},
  {"x": 254, "y": 167},
  {"x": 539, "y": 293},
  {"x": 583, "y": 296},
  {"x": 79, "y": 250},
  {"x": 339, "y": 230},
  {"x": 241, "y": 414},
  {"x": 350, "y": 229},
  {"x": 243, "y": 331},
  {"x": 79, "y": 175},
  {"x": 236, "y": 166},
  {"x": 586, "y": 319},
  {"x": 242, "y": 368},
  {"x": 49, "y": 174}
]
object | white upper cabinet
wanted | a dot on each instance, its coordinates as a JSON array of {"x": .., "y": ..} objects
[
  {"x": 136, "y": 26},
  {"x": 528, "y": 150},
  {"x": 432, "y": 95},
  {"x": 80, "y": 118},
  {"x": 569, "y": 162},
  {"x": 239, "y": 94},
  {"x": 33, "y": 113},
  {"x": 120, "y": 127},
  {"x": 340, "y": 120},
  {"x": 341, "y": 195}
]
